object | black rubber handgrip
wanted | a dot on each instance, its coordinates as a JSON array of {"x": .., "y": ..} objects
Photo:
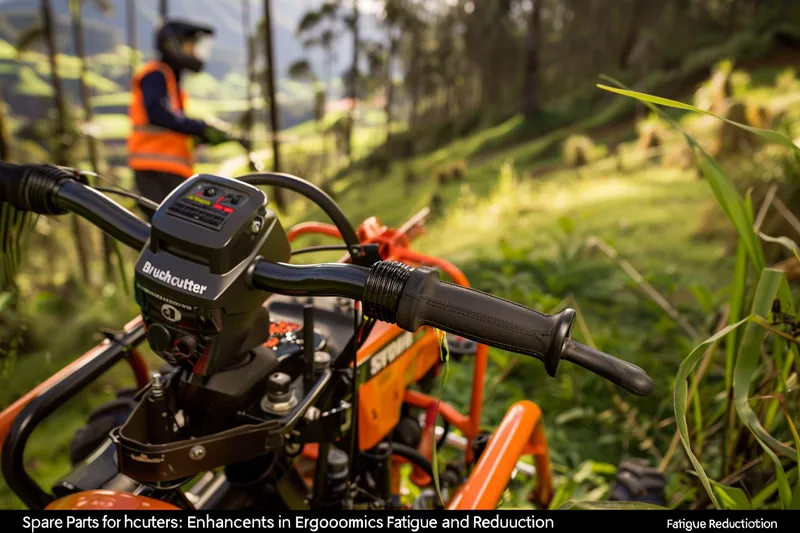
[
  {"x": 10, "y": 184},
  {"x": 33, "y": 187},
  {"x": 627, "y": 375},
  {"x": 487, "y": 319},
  {"x": 410, "y": 298}
]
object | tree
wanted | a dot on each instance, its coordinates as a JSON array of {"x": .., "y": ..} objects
[
  {"x": 531, "y": 100},
  {"x": 5, "y": 143},
  {"x": 270, "y": 96},
  {"x": 326, "y": 16},
  {"x": 301, "y": 70},
  {"x": 45, "y": 31},
  {"x": 250, "y": 67},
  {"x": 319, "y": 29},
  {"x": 352, "y": 23},
  {"x": 76, "y": 13},
  {"x": 130, "y": 19},
  {"x": 329, "y": 13}
]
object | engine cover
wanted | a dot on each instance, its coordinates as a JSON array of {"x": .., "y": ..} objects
[{"x": 190, "y": 278}]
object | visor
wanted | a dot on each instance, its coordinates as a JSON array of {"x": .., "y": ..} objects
[{"x": 202, "y": 48}]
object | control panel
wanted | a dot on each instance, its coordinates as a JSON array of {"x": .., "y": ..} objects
[
  {"x": 191, "y": 279},
  {"x": 208, "y": 204}
]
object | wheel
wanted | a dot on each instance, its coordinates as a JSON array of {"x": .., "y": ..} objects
[
  {"x": 100, "y": 423},
  {"x": 637, "y": 481}
]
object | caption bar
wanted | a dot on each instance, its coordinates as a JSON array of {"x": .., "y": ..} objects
[
  {"x": 302, "y": 523},
  {"x": 413, "y": 521}
]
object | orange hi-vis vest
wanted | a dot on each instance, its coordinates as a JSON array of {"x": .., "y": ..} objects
[{"x": 152, "y": 147}]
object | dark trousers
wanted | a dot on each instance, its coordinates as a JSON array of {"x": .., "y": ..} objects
[{"x": 156, "y": 186}]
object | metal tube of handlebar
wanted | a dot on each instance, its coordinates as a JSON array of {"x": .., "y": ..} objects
[{"x": 104, "y": 213}]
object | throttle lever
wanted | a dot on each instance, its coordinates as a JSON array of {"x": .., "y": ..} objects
[{"x": 627, "y": 375}]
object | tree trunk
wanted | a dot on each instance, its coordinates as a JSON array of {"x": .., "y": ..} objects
[
  {"x": 274, "y": 127},
  {"x": 5, "y": 143},
  {"x": 248, "y": 38},
  {"x": 76, "y": 13},
  {"x": 130, "y": 16},
  {"x": 163, "y": 9},
  {"x": 353, "y": 89},
  {"x": 60, "y": 156},
  {"x": 326, "y": 141},
  {"x": 416, "y": 79},
  {"x": 393, "y": 44},
  {"x": 531, "y": 102}
]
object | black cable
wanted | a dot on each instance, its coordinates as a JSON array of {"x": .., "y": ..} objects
[
  {"x": 316, "y": 195},
  {"x": 409, "y": 453},
  {"x": 443, "y": 439},
  {"x": 323, "y": 248},
  {"x": 139, "y": 198}
]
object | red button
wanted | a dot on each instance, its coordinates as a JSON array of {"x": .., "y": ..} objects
[
  {"x": 217, "y": 206},
  {"x": 228, "y": 210}
]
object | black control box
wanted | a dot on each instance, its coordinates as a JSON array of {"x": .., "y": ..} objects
[{"x": 191, "y": 278}]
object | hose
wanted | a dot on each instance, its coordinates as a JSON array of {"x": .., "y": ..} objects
[{"x": 412, "y": 455}]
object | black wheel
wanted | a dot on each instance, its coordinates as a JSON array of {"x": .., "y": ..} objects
[
  {"x": 100, "y": 423},
  {"x": 637, "y": 481}
]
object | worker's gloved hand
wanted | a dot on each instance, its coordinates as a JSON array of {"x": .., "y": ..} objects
[{"x": 215, "y": 136}]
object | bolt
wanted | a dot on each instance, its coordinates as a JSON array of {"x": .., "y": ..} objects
[
  {"x": 255, "y": 227},
  {"x": 292, "y": 448},
  {"x": 313, "y": 414},
  {"x": 156, "y": 386},
  {"x": 322, "y": 360},
  {"x": 197, "y": 453}
]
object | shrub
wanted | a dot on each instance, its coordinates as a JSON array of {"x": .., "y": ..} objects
[{"x": 579, "y": 150}]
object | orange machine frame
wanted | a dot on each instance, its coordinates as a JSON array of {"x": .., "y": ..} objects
[{"x": 521, "y": 431}]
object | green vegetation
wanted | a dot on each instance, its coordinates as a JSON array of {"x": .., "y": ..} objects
[{"x": 31, "y": 84}]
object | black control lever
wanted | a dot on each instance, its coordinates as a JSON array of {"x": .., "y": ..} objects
[{"x": 627, "y": 375}]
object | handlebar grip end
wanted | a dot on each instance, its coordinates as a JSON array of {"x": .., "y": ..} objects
[
  {"x": 561, "y": 334},
  {"x": 627, "y": 375}
]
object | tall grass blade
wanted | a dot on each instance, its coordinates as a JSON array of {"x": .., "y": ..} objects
[
  {"x": 610, "y": 506},
  {"x": 749, "y": 357},
  {"x": 732, "y": 498},
  {"x": 735, "y": 208},
  {"x": 680, "y": 396},
  {"x": 766, "y": 493},
  {"x": 794, "y": 505},
  {"x": 737, "y": 303},
  {"x": 773, "y": 137},
  {"x": 444, "y": 354},
  {"x": 785, "y": 241},
  {"x": 747, "y": 363},
  {"x": 721, "y": 185},
  {"x": 123, "y": 275}
]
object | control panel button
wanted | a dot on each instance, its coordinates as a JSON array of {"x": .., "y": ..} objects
[{"x": 210, "y": 191}]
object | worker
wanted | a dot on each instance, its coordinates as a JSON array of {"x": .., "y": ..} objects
[{"x": 161, "y": 145}]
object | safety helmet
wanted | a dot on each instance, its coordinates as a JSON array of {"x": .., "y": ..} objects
[{"x": 169, "y": 43}]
